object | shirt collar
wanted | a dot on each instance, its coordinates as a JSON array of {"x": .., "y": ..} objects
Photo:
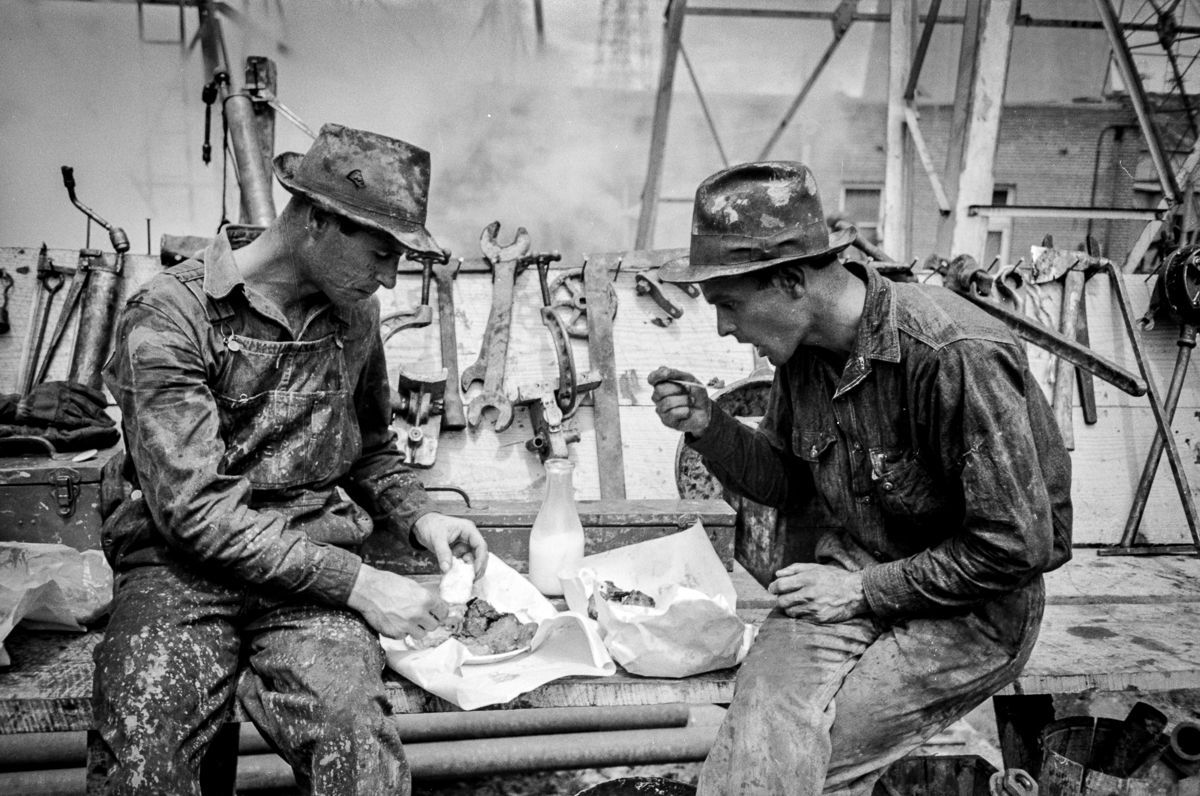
[
  {"x": 878, "y": 336},
  {"x": 222, "y": 277},
  {"x": 221, "y": 274}
]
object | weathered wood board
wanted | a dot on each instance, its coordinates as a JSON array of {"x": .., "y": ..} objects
[
  {"x": 1107, "y": 460},
  {"x": 1110, "y": 624}
]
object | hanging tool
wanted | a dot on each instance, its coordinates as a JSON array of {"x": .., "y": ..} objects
[
  {"x": 1177, "y": 294},
  {"x": 645, "y": 287},
  {"x": 964, "y": 276},
  {"x": 98, "y": 310},
  {"x": 6, "y": 283},
  {"x": 418, "y": 402},
  {"x": 50, "y": 281},
  {"x": 1073, "y": 269},
  {"x": 570, "y": 302},
  {"x": 454, "y": 416},
  {"x": 78, "y": 283},
  {"x": 494, "y": 351}
]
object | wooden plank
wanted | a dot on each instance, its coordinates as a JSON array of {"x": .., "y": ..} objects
[
  {"x": 895, "y": 187},
  {"x": 672, "y": 35},
  {"x": 606, "y": 524},
  {"x": 1091, "y": 579},
  {"x": 975, "y": 181},
  {"x": 1151, "y": 647},
  {"x": 604, "y": 399}
]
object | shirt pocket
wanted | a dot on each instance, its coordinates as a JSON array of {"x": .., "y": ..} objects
[{"x": 903, "y": 486}]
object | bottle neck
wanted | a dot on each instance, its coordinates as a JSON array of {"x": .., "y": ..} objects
[{"x": 559, "y": 479}]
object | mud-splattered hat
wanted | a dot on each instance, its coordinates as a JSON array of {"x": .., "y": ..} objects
[
  {"x": 753, "y": 216},
  {"x": 373, "y": 180}
]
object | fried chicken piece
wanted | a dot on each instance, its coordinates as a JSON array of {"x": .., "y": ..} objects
[{"x": 615, "y": 594}]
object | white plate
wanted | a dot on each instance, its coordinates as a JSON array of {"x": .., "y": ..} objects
[{"x": 495, "y": 657}]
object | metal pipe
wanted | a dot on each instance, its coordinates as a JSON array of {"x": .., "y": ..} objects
[
  {"x": 97, "y": 314},
  {"x": 1156, "y": 404},
  {"x": 451, "y": 758},
  {"x": 258, "y": 205},
  {"x": 55, "y": 749},
  {"x": 1187, "y": 341},
  {"x": 1137, "y": 98}
]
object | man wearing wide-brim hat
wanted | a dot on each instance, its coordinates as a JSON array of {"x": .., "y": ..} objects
[
  {"x": 914, "y": 417},
  {"x": 256, "y": 417}
]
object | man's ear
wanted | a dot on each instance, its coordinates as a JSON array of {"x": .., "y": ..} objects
[{"x": 791, "y": 278}]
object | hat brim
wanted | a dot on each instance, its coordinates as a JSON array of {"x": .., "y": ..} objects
[
  {"x": 681, "y": 269},
  {"x": 406, "y": 233}
]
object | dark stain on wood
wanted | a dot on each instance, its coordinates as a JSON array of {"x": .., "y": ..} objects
[{"x": 1090, "y": 631}]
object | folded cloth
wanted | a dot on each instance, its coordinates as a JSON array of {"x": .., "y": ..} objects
[{"x": 62, "y": 404}]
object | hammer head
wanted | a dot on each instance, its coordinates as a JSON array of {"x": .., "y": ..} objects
[{"x": 1050, "y": 264}]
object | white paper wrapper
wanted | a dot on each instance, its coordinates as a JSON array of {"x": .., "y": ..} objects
[
  {"x": 565, "y": 644},
  {"x": 693, "y": 626},
  {"x": 51, "y": 587}
]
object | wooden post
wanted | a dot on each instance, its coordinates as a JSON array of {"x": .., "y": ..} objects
[
  {"x": 672, "y": 32},
  {"x": 606, "y": 408},
  {"x": 975, "y": 181},
  {"x": 958, "y": 122},
  {"x": 895, "y": 186}
]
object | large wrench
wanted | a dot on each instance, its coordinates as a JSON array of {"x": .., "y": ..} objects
[
  {"x": 453, "y": 416},
  {"x": 492, "y": 354}
]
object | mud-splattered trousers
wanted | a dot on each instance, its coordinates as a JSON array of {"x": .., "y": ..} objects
[
  {"x": 257, "y": 462},
  {"x": 934, "y": 447}
]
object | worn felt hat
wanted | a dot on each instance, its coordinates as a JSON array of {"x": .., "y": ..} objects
[
  {"x": 753, "y": 216},
  {"x": 373, "y": 180}
]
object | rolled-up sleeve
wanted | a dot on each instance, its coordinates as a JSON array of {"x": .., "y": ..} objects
[
  {"x": 975, "y": 413},
  {"x": 158, "y": 375}
]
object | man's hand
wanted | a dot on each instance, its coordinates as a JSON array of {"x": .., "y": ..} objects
[
  {"x": 819, "y": 593},
  {"x": 681, "y": 401},
  {"x": 447, "y": 537},
  {"x": 394, "y": 605},
  {"x": 63, "y": 404}
]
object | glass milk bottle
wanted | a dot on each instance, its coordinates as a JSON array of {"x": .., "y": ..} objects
[{"x": 556, "y": 539}]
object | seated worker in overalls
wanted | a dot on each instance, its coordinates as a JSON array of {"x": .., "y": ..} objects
[
  {"x": 913, "y": 415},
  {"x": 255, "y": 409}
]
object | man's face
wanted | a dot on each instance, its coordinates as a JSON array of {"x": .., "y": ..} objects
[
  {"x": 770, "y": 316},
  {"x": 352, "y": 263}
]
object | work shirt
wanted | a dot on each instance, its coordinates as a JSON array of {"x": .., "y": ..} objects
[
  {"x": 261, "y": 453},
  {"x": 931, "y": 443}
]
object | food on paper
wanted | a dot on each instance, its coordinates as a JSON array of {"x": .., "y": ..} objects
[
  {"x": 483, "y": 630},
  {"x": 455, "y": 590},
  {"x": 615, "y": 594}
]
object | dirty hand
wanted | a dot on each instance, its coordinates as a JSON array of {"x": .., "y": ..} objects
[
  {"x": 819, "y": 593},
  {"x": 447, "y": 537},
  {"x": 681, "y": 401},
  {"x": 393, "y": 605},
  {"x": 64, "y": 404}
]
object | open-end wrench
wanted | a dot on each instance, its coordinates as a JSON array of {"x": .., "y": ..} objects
[
  {"x": 453, "y": 415},
  {"x": 492, "y": 355}
]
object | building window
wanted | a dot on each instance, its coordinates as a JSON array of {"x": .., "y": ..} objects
[
  {"x": 999, "y": 230},
  {"x": 861, "y": 206}
]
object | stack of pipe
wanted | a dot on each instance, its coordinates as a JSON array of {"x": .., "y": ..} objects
[{"x": 436, "y": 744}]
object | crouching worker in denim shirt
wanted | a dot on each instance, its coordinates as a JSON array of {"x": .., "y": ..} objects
[
  {"x": 255, "y": 409},
  {"x": 914, "y": 416}
]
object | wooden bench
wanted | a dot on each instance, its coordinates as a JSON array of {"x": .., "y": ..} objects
[{"x": 1111, "y": 625}]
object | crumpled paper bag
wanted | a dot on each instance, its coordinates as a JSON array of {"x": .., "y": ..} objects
[
  {"x": 566, "y": 643},
  {"x": 51, "y": 587},
  {"x": 693, "y": 626}
]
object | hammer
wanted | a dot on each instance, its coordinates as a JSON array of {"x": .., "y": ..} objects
[{"x": 1073, "y": 268}]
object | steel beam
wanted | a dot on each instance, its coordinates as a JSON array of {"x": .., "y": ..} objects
[{"x": 672, "y": 33}]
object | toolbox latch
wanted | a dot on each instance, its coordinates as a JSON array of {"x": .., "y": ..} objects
[{"x": 64, "y": 486}]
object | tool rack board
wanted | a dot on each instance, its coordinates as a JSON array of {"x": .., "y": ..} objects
[{"x": 1108, "y": 456}]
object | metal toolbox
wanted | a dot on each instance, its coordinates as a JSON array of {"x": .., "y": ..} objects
[
  {"x": 607, "y": 524},
  {"x": 53, "y": 498}
]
